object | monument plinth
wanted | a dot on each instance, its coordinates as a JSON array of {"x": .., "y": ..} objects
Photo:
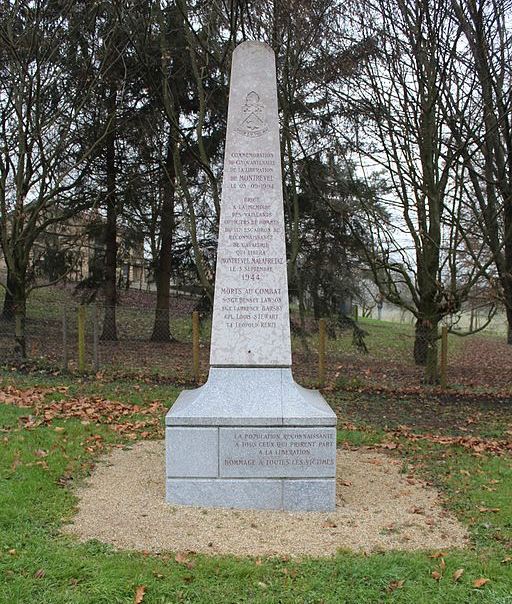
[{"x": 251, "y": 437}]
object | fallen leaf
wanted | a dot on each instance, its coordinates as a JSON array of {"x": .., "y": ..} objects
[
  {"x": 16, "y": 462},
  {"x": 480, "y": 582},
  {"x": 329, "y": 524},
  {"x": 139, "y": 594},
  {"x": 442, "y": 564},
  {"x": 184, "y": 558},
  {"x": 40, "y": 453},
  {"x": 181, "y": 557},
  {"x": 417, "y": 510},
  {"x": 395, "y": 585},
  {"x": 458, "y": 574},
  {"x": 39, "y": 574},
  {"x": 436, "y": 575},
  {"x": 12, "y": 552},
  {"x": 290, "y": 572},
  {"x": 438, "y": 555},
  {"x": 506, "y": 560},
  {"x": 493, "y": 510}
]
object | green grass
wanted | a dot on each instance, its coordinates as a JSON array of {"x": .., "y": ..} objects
[
  {"x": 363, "y": 436},
  {"x": 385, "y": 341},
  {"x": 478, "y": 489},
  {"x": 39, "y": 565}
]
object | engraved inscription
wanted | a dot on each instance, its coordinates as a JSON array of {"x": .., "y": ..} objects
[
  {"x": 277, "y": 452},
  {"x": 249, "y": 226},
  {"x": 252, "y": 121},
  {"x": 250, "y": 315}
]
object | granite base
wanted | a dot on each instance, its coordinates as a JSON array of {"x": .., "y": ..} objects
[{"x": 251, "y": 438}]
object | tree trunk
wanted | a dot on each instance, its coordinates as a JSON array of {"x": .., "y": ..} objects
[
  {"x": 431, "y": 375},
  {"x": 509, "y": 325},
  {"x": 20, "y": 311},
  {"x": 425, "y": 349},
  {"x": 161, "y": 328},
  {"x": 8, "y": 309},
  {"x": 109, "y": 331},
  {"x": 110, "y": 287},
  {"x": 506, "y": 276},
  {"x": 420, "y": 343}
]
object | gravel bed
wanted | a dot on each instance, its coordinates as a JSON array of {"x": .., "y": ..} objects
[{"x": 378, "y": 508}]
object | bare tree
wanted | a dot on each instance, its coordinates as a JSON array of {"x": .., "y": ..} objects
[
  {"x": 46, "y": 145},
  {"x": 401, "y": 128},
  {"x": 484, "y": 132}
]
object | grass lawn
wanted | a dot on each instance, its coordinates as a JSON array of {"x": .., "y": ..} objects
[{"x": 39, "y": 462}]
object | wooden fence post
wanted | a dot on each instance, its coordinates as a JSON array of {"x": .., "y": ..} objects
[
  {"x": 96, "y": 359},
  {"x": 321, "y": 353},
  {"x": 64, "y": 339},
  {"x": 195, "y": 345},
  {"x": 444, "y": 355},
  {"x": 81, "y": 338}
]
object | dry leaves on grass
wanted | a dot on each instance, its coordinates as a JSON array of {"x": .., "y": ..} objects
[
  {"x": 438, "y": 555},
  {"x": 184, "y": 558},
  {"x": 474, "y": 365},
  {"x": 395, "y": 585},
  {"x": 92, "y": 409},
  {"x": 140, "y": 592},
  {"x": 457, "y": 574},
  {"x": 480, "y": 582},
  {"x": 474, "y": 444}
]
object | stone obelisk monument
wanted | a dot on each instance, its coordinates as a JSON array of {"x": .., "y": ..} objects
[{"x": 251, "y": 437}]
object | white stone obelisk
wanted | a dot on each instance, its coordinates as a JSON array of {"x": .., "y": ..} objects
[
  {"x": 251, "y": 325},
  {"x": 251, "y": 437}
]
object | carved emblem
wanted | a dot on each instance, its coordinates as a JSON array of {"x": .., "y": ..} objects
[{"x": 252, "y": 121}]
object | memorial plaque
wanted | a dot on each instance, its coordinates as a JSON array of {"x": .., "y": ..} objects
[
  {"x": 251, "y": 324},
  {"x": 277, "y": 452}
]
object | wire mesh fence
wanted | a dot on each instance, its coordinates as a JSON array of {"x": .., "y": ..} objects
[
  {"x": 64, "y": 335},
  {"x": 72, "y": 337}
]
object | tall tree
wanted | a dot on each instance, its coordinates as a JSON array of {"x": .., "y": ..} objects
[
  {"x": 44, "y": 154},
  {"x": 401, "y": 127},
  {"x": 166, "y": 53},
  {"x": 116, "y": 100},
  {"x": 310, "y": 60},
  {"x": 484, "y": 130}
]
